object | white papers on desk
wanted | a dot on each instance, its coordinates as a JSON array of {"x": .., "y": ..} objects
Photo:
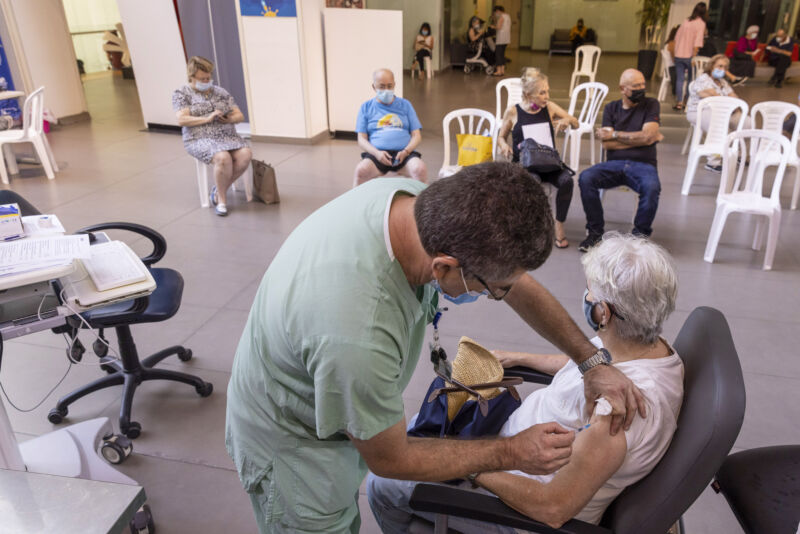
[
  {"x": 28, "y": 255},
  {"x": 539, "y": 132}
]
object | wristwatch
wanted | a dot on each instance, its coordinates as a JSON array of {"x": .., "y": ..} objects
[
  {"x": 614, "y": 135},
  {"x": 471, "y": 479},
  {"x": 601, "y": 357}
]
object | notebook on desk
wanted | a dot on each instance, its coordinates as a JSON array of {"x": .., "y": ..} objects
[{"x": 113, "y": 273}]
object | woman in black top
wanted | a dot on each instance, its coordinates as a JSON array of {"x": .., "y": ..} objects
[
  {"x": 475, "y": 35},
  {"x": 533, "y": 118}
]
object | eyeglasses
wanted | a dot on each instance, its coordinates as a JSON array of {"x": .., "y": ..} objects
[{"x": 492, "y": 293}]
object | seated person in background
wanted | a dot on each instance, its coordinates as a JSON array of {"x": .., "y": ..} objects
[
  {"x": 577, "y": 35},
  {"x": 791, "y": 120},
  {"x": 524, "y": 120},
  {"x": 423, "y": 45},
  {"x": 388, "y": 132},
  {"x": 476, "y": 35},
  {"x": 712, "y": 83},
  {"x": 745, "y": 54},
  {"x": 631, "y": 291},
  {"x": 780, "y": 50},
  {"x": 207, "y": 114},
  {"x": 629, "y": 134}
]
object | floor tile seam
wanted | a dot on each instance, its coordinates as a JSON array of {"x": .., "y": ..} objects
[
  {"x": 231, "y": 469},
  {"x": 253, "y": 279},
  {"x": 770, "y": 375},
  {"x": 181, "y": 366},
  {"x": 290, "y": 156}
]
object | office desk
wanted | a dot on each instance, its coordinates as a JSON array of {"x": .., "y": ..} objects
[{"x": 32, "y": 503}]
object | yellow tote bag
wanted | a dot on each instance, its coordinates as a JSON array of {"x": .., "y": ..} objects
[{"x": 473, "y": 149}]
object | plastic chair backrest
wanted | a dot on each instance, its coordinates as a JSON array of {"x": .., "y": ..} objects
[
  {"x": 773, "y": 114},
  {"x": 721, "y": 109},
  {"x": 751, "y": 181},
  {"x": 587, "y": 57},
  {"x": 513, "y": 87},
  {"x": 698, "y": 64},
  {"x": 593, "y": 95},
  {"x": 666, "y": 59},
  {"x": 710, "y": 419},
  {"x": 33, "y": 113},
  {"x": 470, "y": 121}
]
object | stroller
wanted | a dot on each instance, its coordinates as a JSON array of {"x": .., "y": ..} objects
[{"x": 477, "y": 61}]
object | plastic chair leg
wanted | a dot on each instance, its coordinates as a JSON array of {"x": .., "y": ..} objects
[
  {"x": 716, "y": 233},
  {"x": 202, "y": 182},
  {"x": 691, "y": 168},
  {"x": 591, "y": 149},
  {"x": 247, "y": 178},
  {"x": 575, "y": 153},
  {"x": 428, "y": 67},
  {"x": 3, "y": 171},
  {"x": 10, "y": 159},
  {"x": 772, "y": 239},
  {"x": 758, "y": 235},
  {"x": 44, "y": 157},
  {"x": 688, "y": 140},
  {"x": 50, "y": 153},
  {"x": 796, "y": 190}
]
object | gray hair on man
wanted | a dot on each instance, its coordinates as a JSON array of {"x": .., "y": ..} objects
[{"x": 637, "y": 277}]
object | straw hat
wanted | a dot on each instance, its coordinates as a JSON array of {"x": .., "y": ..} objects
[{"x": 473, "y": 365}]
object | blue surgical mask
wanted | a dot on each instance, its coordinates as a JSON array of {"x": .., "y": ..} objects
[
  {"x": 718, "y": 74},
  {"x": 202, "y": 86},
  {"x": 384, "y": 96},
  {"x": 424, "y": 32},
  {"x": 464, "y": 298},
  {"x": 588, "y": 306}
]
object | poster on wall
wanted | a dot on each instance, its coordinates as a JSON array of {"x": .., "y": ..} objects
[
  {"x": 355, "y": 4},
  {"x": 9, "y": 106},
  {"x": 268, "y": 8}
]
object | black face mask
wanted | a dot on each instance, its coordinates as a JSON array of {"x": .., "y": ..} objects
[{"x": 637, "y": 95}]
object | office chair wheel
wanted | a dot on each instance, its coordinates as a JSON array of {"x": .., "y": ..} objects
[
  {"x": 142, "y": 522},
  {"x": 100, "y": 348},
  {"x": 185, "y": 355},
  {"x": 132, "y": 430},
  {"x": 76, "y": 350},
  {"x": 57, "y": 415},
  {"x": 489, "y": 70},
  {"x": 108, "y": 368},
  {"x": 467, "y": 69},
  {"x": 116, "y": 448},
  {"x": 204, "y": 390}
]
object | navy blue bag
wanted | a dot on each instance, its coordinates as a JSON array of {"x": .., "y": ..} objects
[{"x": 470, "y": 421}]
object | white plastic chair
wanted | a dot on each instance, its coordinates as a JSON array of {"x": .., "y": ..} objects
[
  {"x": 721, "y": 109},
  {"x": 427, "y": 66},
  {"x": 594, "y": 93},
  {"x": 666, "y": 63},
  {"x": 587, "y": 57},
  {"x": 470, "y": 121},
  {"x": 205, "y": 174},
  {"x": 743, "y": 193},
  {"x": 772, "y": 115},
  {"x": 32, "y": 132},
  {"x": 513, "y": 87},
  {"x": 698, "y": 65}
]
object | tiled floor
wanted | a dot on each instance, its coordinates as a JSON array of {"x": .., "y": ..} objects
[{"x": 112, "y": 170}]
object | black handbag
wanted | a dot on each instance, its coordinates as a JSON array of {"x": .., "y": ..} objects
[{"x": 540, "y": 158}]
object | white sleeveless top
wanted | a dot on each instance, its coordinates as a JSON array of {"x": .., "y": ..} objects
[
  {"x": 660, "y": 381},
  {"x": 504, "y": 33}
]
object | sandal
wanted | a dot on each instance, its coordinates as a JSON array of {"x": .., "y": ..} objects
[
  {"x": 559, "y": 242},
  {"x": 678, "y": 107}
]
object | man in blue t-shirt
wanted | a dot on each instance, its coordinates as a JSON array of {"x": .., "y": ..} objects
[
  {"x": 629, "y": 134},
  {"x": 388, "y": 132}
]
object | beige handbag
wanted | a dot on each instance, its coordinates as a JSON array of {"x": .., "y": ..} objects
[{"x": 265, "y": 187}]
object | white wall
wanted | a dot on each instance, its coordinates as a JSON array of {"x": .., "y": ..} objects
[
  {"x": 312, "y": 55},
  {"x": 91, "y": 15},
  {"x": 42, "y": 46},
  {"x": 680, "y": 11},
  {"x": 415, "y": 12},
  {"x": 615, "y": 22},
  {"x": 157, "y": 56},
  {"x": 357, "y": 42}
]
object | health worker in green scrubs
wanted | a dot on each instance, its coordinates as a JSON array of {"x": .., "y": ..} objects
[{"x": 336, "y": 330}]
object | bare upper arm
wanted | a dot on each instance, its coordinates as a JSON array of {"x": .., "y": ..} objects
[
  {"x": 651, "y": 128},
  {"x": 556, "y": 111},
  {"x": 383, "y": 449},
  {"x": 182, "y": 113}
]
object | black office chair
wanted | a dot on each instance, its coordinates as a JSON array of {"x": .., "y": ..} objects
[
  {"x": 710, "y": 419},
  {"x": 762, "y": 487},
  {"x": 129, "y": 372}
]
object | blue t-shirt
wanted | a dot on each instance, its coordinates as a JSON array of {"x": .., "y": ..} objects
[{"x": 389, "y": 126}]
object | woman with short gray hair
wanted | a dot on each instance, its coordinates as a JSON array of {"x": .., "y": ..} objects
[{"x": 631, "y": 290}]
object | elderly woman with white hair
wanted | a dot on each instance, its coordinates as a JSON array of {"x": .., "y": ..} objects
[{"x": 631, "y": 290}]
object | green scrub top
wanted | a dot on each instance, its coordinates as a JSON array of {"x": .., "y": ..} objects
[{"x": 331, "y": 342}]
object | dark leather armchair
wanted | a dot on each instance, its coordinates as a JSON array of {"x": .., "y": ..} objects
[
  {"x": 129, "y": 371},
  {"x": 560, "y": 43},
  {"x": 709, "y": 422}
]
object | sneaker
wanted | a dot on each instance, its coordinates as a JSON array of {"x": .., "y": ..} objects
[
  {"x": 713, "y": 168},
  {"x": 213, "y": 196},
  {"x": 221, "y": 210},
  {"x": 590, "y": 241},
  {"x": 740, "y": 80}
]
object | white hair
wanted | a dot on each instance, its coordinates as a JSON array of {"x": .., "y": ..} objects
[{"x": 638, "y": 278}]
